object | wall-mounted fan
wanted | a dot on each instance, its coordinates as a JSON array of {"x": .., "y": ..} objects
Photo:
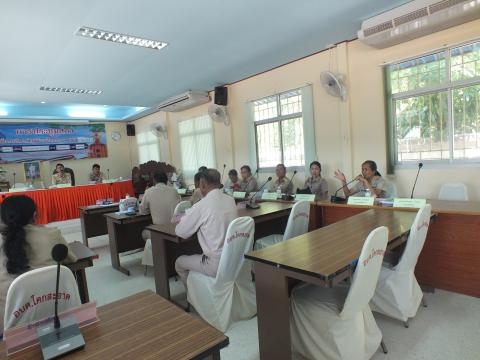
[
  {"x": 159, "y": 130},
  {"x": 218, "y": 113},
  {"x": 334, "y": 84}
]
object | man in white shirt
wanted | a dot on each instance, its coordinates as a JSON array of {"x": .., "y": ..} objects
[
  {"x": 208, "y": 218},
  {"x": 160, "y": 201}
]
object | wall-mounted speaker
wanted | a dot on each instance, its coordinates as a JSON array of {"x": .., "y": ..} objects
[
  {"x": 221, "y": 95},
  {"x": 130, "y": 130}
]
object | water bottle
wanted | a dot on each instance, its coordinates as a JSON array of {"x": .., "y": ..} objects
[
  {"x": 279, "y": 193},
  {"x": 368, "y": 193}
]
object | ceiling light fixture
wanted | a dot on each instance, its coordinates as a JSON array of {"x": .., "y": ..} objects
[
  {"x": 3, "y": 112},
  {"x": 42, "y": 102},
  {"x": 71, "y": 90},
  {"x": 119, "y": 38},
  {"x": 95, "y": 114}
]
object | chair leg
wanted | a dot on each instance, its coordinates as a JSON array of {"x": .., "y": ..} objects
[
  {"x": 406, "y": 324},
  {"x": 424, "y": 301},
  {"x": 384, "y": 347}
]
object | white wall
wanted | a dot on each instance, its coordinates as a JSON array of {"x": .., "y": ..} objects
[{"x": 346, "y": 133}]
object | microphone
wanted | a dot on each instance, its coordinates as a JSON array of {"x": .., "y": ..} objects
[
  {"x": 420, "y": 165},
  {"x": 251, "y": 203},
  {"x": 62, "y": 338},
  {"x": 14, "y": 174},
  {"x": 287, "y": 196},
  {"x": 59, "y": 253},
  {"x": 108, "y": 174},
  {"x": 337, "y": 199},
  {"x": 251, "y": 177},
  {"x": 223, "y": 171}
]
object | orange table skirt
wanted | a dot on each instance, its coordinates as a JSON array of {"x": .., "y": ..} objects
[{"x": 63, "y": 203}]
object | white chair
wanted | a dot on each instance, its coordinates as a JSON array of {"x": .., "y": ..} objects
[
  {"x": 297, "y": 224},
  {"x": 181, "y": 207},
  {"x": 453, "y": 191},
  {"x": 30, "y": 297},
  {"x": 398, "y": 294},
  {"x": 230, "y": 296},
  {"x": 147, "y": 258},
  {"x": 337, "y": 323}
]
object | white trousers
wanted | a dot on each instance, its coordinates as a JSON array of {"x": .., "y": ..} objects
[{"x": 199, "y": 263}]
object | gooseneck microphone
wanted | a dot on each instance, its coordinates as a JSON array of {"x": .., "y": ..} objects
[
  {"x": 420, "y": 165},
  {"x": 59, "y": 253},
  {"x": 223, "y": 171},
  {"x": 14, "y": 174},
  {"x": 108, "y": 174},
  {"x": 287, "y": 195},
  {"x": 251, "y": 203},
  {"x": 337, "y": 199}
]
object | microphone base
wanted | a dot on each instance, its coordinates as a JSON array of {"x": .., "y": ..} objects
[
  {"x": 337, "y": 199},
  {"x": 57, "y": 342},
  {"x": 288, "y": 197},
  {"x": 252, "y": 206}
]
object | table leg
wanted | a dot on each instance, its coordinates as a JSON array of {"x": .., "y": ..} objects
[
  {"x": 82, "y": 285},
  {"x": 113, "y": 240},
  {"x": 84, "y": 228},
  {"x": 273, "y": 312},
  {"x": 160, "y": 265}
]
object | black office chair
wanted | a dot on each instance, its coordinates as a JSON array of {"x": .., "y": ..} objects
[{"x": 70, "y": 171}]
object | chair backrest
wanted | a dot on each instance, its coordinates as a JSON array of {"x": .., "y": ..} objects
[
  {"x": 181, "y": 207},
  {"x": 72, "y": 175},
  {"x": 31, "y": 296},
  {"x": 416, "y": 239},
  {"x": 297, "y": 223},
  {"x": 453, "y": 191},
  {"x": 238, "y": 241},
  {"x": 366, "y": 274},
  {"x": 391, "y": 190}
]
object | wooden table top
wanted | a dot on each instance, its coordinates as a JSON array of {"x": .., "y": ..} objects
[
  {"x": 91, "y": 208},
  {"x": 81, "y": 250},
  {"x": 266, "y": 209},
  {"x": 141, "y": 326},
  {"x": 323, "y": 252},
  {"x": 438, "y": 206},
  {"x": 122, "y": 218}
]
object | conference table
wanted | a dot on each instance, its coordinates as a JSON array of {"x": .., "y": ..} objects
[
  {"x": 138, "y": 327},
  {"x": 323, "y": 257},
  {"x": 450, "y": 257},
  {"x": 270, "y": 218},
  {"x": 59, "y": 204},
  {"x": 85, "y": 258},
  {"x": 125, "y": 234},
  {"x": 92, "y": 220}
]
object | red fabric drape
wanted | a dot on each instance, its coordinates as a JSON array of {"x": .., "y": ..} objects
[{"x": 63, "y": 203}]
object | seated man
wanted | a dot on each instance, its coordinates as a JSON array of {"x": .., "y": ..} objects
[
  {"x": 96, "y": 175},
  {"x": 208, "y": 218},
  {"x": 160, "y": 201},
  {"x": 282, "y": 181},
  {"x": 232, "y": 183},
  {"x": 248, "y": 182},
  {"x": 60, "y": 176}
]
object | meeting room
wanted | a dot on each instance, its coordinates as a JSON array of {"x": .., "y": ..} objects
[{"x": 240, "y": 180}]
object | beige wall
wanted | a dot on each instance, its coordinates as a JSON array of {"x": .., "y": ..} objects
[
  {"x": 118, "y": 160},
  {"x": 346, "y": 133}
]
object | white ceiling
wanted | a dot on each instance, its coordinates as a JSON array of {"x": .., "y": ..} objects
[{"x": 211, "y": 43}]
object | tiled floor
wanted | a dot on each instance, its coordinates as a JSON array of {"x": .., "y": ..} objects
[{"x": 449, "y": 328}]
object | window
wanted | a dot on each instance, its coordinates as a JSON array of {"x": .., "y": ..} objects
[
  {"x": 197, "y": 146},
  {"x": 278, "y": 124},
  {"x": 435, "y": 106},
  {"x": 147, "y": 147}
]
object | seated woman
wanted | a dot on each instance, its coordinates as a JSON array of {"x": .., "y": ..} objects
[
  {"x": 316, "y": 183},
  {"x": 370, "y": 181},
  {"x": 23, "y": 245}
]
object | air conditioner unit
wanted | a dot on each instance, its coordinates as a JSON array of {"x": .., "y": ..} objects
[
  {"x": 185, "y": 101},
  {"x": 415, "y": 19}
]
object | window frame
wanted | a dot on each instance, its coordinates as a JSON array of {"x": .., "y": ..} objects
[
  {"x": 447, "y": 86},
  {"x": 278, "y": 119}
]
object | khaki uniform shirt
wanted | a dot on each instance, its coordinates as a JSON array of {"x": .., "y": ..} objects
[
  {"x": 285, "y": 185},
  {"x": 97, "y": 178},
  {"x": 248, "y": 186},
  {"x": 378, "y": 183},
  {"x": 317, "y": 186},
  {"x": 65, "y": 179},
  {"x": 160, "y": 201}
]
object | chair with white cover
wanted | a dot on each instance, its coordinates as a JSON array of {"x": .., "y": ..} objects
[
  {"x": 181, "y": 207},
  {"x": 230, "y": 296},
  {"x": 453, "y": 191},
  {"x": 337, "y": 323},
  {"x": 147, "y": 258},
  {"x": 297, "y": 224},
  {"x": 31, "y": 296},
  {"x": 398, "y": 294}
]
